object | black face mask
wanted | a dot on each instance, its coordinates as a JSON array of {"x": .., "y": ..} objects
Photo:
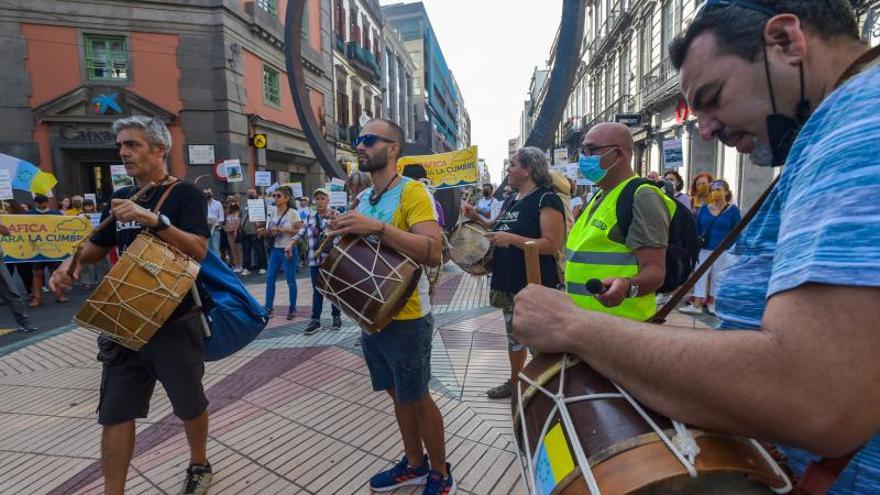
[{"x": 782, "y": 130}]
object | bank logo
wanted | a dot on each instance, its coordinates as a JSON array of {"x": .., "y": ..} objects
[{"x": 102, "y": 103}]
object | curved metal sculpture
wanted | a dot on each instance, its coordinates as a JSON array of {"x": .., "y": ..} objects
[
  {"x": 297, "y": 81},
  {"x": 568, "y": 56}
]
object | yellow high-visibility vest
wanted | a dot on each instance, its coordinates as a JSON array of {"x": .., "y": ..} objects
[{"x": 592, "y": 254}]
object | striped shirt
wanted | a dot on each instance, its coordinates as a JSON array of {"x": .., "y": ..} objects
[{"x": 821, "y": 224}]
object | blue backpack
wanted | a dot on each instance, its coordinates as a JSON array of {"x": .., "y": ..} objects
[{"x": 234, "y": 316}]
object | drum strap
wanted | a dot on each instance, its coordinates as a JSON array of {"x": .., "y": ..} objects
[{"x": 165, "y": 196}]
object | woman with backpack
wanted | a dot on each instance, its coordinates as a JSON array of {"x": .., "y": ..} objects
[
  {"x": 535, "y": 213},
  {"x": 715, "y": 220}
]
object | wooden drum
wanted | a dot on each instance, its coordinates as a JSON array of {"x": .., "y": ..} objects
[
  {"x": 141, "y": 291},
  {"x": 595, "y": 438},
  {"x": 367, "y": 280},
  {"x": 470, "y": 249}
]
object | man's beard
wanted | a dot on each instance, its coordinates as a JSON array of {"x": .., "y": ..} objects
[
  {"x": 761, "y": 154},
  {"x": 374, "y": 163}
]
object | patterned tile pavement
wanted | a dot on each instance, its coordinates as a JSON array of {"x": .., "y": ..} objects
[{"x": 289, "y": 414}]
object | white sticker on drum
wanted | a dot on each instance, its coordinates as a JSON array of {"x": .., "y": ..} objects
[{"x": 554, "y": 461}]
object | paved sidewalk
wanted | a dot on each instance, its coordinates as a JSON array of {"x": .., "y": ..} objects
[{"x": 289, "y": 414}]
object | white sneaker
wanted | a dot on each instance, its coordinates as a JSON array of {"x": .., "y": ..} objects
[
  {"x": 262, "y": 271},
  {"x": 711, "y": 309},
  {"x": 690, "y": 309},
  {"x": 237, "y": 270},
  {"x": 245, "y": 272},
  {"x": 663, "y": 299}
]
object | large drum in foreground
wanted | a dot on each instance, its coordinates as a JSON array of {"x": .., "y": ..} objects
[
  {"x": 139, "y": 294},
  {"x": 470, "y": 249},
  {"x": 605, "y": 442},
  {"x": 367, "y": 280}
]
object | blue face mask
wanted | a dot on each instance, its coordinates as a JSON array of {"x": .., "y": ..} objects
[{"x": 591, "y": 167}]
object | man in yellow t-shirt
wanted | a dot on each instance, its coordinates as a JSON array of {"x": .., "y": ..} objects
[{"x": 401, "y": 211}]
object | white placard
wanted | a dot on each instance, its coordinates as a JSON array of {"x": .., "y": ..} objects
[
  {"x": 95, "y": 218},
  {"x": 338, "y": 199},
  {"x": 272, "y": 188},
  {"x": 673, "y": 156},
  {"x": 233, "y": 171},
  {"x": 91, "y": 196},
  {"x": 297, "y": 189},
  {"x": 337, "y": 184},
  {"x": 256, "y": 210},
  {"x": 560, "y": 156},
  {"x": 5, "y": 185},
  {"x": 119, "y": 177},
  {"x": 201, "y": 154},
  {"x": 262, "y": 179}
]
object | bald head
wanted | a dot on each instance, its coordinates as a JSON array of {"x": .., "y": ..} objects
[{"x": 610, "y": 134}]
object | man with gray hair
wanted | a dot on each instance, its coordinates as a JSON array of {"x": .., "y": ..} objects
[{"x": 176, "y": 213}]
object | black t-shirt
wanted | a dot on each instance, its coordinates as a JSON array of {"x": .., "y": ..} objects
[
  {"x": 185, "y": 207},
  {"x": 523, "y": 218}
]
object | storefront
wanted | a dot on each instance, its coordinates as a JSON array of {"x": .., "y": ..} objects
[{"x": 76, "y": 130}]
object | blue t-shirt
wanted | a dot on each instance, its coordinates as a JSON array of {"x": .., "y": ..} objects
[
  {"x": 718, "y": 227},
  {"x": 821, "y": 224}
]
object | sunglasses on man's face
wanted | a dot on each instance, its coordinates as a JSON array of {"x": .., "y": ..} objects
[{"x": 370, "y": 140}]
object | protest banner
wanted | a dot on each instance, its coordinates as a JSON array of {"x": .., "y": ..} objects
[
  {"x": 43, "y": 238},
  {"x": 447, "y": 170}
]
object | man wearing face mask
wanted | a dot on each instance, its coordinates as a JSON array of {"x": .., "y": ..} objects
[
  {"x": 630, "y": 266},
  {"x": 253, "y": 248},
  {"x": 805, "y": 279},
  {"x": 488, "y": 207}
]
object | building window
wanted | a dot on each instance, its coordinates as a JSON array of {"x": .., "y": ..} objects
[
  {"x": 271, "y": 90},
  {"x": 305, "y": 23},
  {"x": 106, "y": 58},
  {"x": 270, "y": 6}
]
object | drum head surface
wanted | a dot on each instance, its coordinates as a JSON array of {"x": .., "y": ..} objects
[{"x": 468, "y": 245}]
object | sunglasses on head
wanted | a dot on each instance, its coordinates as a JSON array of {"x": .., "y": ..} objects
[{"x": 370, "y": 140}]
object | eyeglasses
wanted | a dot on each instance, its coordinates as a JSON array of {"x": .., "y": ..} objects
[
  {"x": 278, "y": 196},
  {"x": 716, "y": 186},
  {"x": 592, "y": 150},
  {"x": 369, "y": 140}
]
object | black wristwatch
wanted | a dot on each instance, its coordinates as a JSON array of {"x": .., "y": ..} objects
[{"x": 163, "y": 223}]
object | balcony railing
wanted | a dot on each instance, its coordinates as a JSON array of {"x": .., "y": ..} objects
[
  {"x": 656, "y": 81},
  {"x": 620, "y": 105},
  {"x": 363, "y": 59}
]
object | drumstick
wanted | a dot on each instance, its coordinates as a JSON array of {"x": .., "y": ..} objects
[
  {"x": 103, "y": 225},
  {"x": 533, "y": 263}
]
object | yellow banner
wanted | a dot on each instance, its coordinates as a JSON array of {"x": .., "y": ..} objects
[
  {"x": 42, "y": 238},
  {"x": 447, "y": 170}
]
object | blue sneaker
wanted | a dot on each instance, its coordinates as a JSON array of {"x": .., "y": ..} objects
[
  {"x": 400, "y": 475},
  {"x": 438, "y": 485}
]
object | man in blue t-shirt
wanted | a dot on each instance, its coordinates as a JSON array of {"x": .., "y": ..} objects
[{"x": 787, "y": 82}]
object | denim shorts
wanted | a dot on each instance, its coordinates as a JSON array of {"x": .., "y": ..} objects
[{"x": 399, "y": 357}]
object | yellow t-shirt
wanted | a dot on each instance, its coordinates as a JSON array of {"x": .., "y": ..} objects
[{"x": 404, "y": 205}]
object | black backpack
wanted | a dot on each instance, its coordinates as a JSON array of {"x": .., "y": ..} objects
[{"x": 684, "y": 246}]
